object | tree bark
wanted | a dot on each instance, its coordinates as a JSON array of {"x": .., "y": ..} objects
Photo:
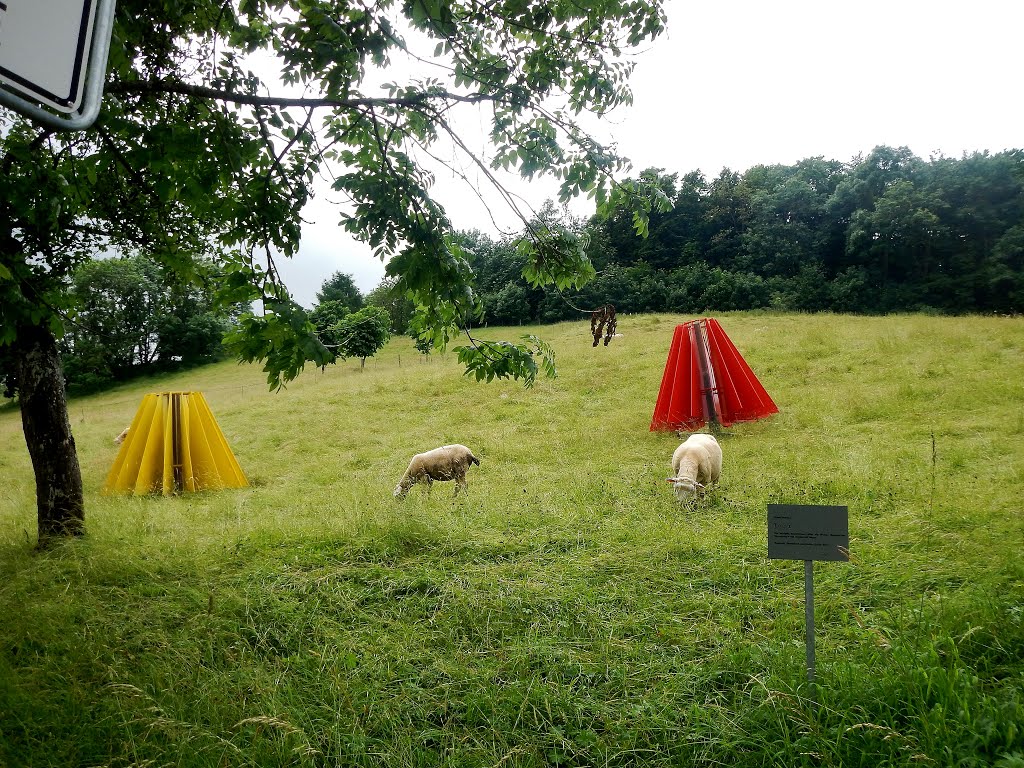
[{"x": 44, "y": 418}]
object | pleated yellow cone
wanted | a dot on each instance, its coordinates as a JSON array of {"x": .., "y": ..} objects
[{"x": 174, "y": 445}]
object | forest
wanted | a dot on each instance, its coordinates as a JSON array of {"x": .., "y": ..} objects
[{"x": 884, "y": 233}]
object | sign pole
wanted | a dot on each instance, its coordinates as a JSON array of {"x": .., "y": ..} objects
[
  {"x": 809, "y": 601},
  {"x": 808, "y": 532}
]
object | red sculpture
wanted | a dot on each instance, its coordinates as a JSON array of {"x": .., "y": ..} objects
[{"x": 707, "y": 381}]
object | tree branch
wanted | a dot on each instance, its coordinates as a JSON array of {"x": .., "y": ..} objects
[{"x": 152, "y": 87}]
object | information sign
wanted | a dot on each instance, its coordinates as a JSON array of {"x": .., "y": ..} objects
[{"x": 807, "y": 532}]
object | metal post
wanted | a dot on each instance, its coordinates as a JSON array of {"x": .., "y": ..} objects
[
  {"x": 809, "y": 600},
  {"x": 707, "y": 379},
  {"x": 177, "y": 467}
]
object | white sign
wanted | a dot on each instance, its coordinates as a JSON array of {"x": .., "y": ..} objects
[{"x": 44, "y": 49}]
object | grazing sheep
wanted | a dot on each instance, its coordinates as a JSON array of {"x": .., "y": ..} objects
[
  {"x": 449, "y": 462},
  {"x": 695, "y": 464},
  {"x": 124, "y": 434}
]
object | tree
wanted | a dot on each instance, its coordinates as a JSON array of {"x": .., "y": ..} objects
[
  {"x": 126, "y": 319},
  {"x": 192, "y": 325},
  {"x": 508, "y": 306},
  {"x": 728, "y": 213},
  {"x": 117, "y": 303},
  {"x": 325, "y": 318},
  {"x": 1005, "y": 271},
  {"x": 895, "y": 238},
  {"x": 340, "y": 288},
  {"x": 397, "y": 304},
  {"x": 192, "y": 156},
  {"x": 362, "y": 334},
  {"x": 788, "y": 224}
]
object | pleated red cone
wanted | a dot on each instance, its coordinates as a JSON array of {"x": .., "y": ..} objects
[{"x": 707, "y": 381}]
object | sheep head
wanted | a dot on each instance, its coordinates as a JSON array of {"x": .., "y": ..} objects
[{"x": 684, "y": 487}]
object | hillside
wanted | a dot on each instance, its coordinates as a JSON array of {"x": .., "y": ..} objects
[{"x": 566, "y": 611}]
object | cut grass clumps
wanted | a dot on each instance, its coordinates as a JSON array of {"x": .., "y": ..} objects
[{"x": 564, "y": 612}]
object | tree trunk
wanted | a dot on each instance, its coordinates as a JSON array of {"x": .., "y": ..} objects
[{"x": 44, "y": 418}]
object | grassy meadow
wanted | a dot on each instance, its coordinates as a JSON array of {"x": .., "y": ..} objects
[{"x": 566, "y": 611}]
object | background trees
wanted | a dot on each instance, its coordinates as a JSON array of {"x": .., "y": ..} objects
[
  {"x": 116, "y": 303},
  {"x": 125, "y": 320},
  {"x": 884, "y": 233},
  {"x": 888, "y": 232}
]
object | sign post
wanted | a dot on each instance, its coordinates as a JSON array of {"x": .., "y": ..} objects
[
  {"x": 808, "y": 533},
  {"x": 53, "y": 59}
]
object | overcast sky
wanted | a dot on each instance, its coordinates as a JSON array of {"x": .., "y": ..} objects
[{"x": 737, "y": 83}]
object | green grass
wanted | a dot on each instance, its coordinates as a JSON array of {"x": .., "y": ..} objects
[{"x": 566, "y": 611}]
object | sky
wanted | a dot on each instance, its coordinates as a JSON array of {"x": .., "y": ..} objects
[{"x": 738, "y": 83}]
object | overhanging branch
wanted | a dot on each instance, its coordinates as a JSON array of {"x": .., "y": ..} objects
[{"x": 152, "y": 87}]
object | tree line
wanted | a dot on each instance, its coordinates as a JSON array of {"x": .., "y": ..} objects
[{"x": 888, "y": 232}]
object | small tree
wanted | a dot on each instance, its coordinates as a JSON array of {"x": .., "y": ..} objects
[
  {"x": 423, "y": 346},
  {"x": 361, "y": 334}
]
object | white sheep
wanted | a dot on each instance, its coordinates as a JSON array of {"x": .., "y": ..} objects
[
  {"x": 695, "y": 464},
  {"x": 450, "y": 462}
]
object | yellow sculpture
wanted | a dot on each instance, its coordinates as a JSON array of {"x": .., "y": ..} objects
[{"x": 173, "y": 445}]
